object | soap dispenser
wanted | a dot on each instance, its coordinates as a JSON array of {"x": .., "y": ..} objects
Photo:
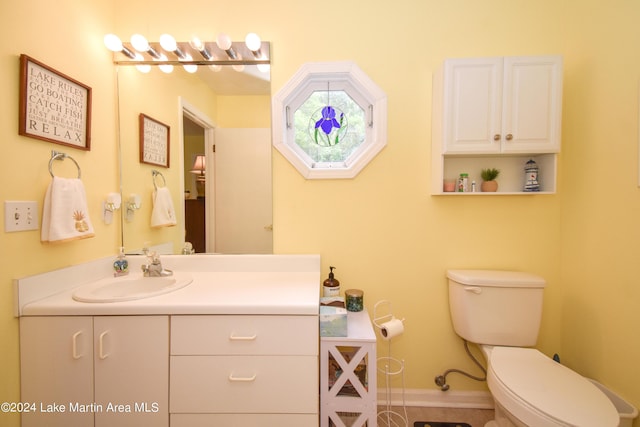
[
  {"x": 121, "y": 265},
  {"x": 331, "y": 286}
]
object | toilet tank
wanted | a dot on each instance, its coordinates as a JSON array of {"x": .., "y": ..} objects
[{"x": 496, "y": 307}]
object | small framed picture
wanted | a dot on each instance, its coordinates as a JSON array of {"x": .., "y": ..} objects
[
  {"x": 53, "y": 107},
  {"x": 154, "y": 141}
]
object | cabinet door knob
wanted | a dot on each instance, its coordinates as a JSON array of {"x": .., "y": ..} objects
[
  {"x": 496, "y": 137},
  {"x": 509, "y": 137}
]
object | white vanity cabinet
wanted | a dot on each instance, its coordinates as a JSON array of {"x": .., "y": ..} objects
[
  {"x": 233, "y": 370},
  {"x": 501, "y": 112},
  {"x": 238, "y": 346},
  {"x": 102, "y": 371}
]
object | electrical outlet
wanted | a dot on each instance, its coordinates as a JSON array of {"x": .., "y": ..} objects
[{"x": 20, "y": 216}]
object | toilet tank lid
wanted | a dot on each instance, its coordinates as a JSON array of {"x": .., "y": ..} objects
[{"x": 496, "y": 278}]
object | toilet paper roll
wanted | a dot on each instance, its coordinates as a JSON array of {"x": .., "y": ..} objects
[{"x": 391, "y": 329}]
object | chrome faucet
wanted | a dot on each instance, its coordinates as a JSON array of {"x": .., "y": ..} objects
[{"x": 154, "y": 267}]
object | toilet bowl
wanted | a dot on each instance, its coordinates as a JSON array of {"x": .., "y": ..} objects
[
  {"x": 531, "y": 389},
  {"x": 501, "y": 311}
]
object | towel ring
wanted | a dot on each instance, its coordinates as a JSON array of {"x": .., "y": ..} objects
[
  {"x": 155, "y": 173},
  {"x": 57, "y": 155}
]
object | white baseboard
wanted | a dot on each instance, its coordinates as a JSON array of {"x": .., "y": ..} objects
[{"x": 437, "y": 399}]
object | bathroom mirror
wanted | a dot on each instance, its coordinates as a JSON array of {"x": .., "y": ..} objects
[{"x": 198, "y": 108}]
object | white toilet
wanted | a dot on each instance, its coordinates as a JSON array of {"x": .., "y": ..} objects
[{"x": 500, "y": 311}]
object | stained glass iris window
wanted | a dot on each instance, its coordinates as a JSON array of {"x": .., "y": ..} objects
[
  {"x": 329, "y": 120},
  {"x": 329, "y": 126}
]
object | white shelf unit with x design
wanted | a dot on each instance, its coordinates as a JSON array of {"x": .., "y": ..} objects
[{"x": 348, "y": 375}]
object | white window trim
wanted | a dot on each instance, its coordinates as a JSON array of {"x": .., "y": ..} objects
[{"x": 298, "y": 88}]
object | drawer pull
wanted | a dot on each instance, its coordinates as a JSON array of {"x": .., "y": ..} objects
[
  {"x": 234, "y": 337},
  {"x": 242, "y": 379}
]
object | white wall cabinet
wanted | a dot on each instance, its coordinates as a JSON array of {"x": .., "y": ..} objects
[
  {"x": 497, "y": 111},
  {"x": 102, "y": 371}
]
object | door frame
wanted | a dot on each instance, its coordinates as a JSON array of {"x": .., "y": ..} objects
[{"x": 201, "y": 119}]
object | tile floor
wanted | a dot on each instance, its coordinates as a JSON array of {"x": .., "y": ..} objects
[{"x": 473, "y": 417}]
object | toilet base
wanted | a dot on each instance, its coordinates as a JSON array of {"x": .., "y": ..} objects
[{"x": 503, "y": 418}]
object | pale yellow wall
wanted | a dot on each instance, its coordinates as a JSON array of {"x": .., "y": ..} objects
[
  {"x": 601, "y": 200},
  {"x": 65, "y": 35},
  {"x": 383, "y": 230},
  {"x": 244, "y": 111}
]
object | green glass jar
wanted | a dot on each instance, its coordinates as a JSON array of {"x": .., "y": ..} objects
[{"x": 354, "y": 299}]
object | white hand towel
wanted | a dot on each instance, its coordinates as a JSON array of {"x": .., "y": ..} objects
[
  {"x": 65, "y": 215},
  {"x": 163, "y": 213}
]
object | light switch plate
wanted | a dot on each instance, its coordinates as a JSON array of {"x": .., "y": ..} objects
[{"x": 20, "y": 215}]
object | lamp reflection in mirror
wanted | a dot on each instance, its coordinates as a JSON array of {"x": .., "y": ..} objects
[{"x": 199, "y": 169}]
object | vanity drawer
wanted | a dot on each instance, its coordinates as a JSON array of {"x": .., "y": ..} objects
[
  {"x": 244, "y": 384},
  {"x": 228, "y": 335},
  {"x": 233, "y": 420}
]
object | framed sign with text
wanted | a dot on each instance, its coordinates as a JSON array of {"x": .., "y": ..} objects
[
  {"x": 53, "y": 107},
  {"x": 154, "y": 141}
]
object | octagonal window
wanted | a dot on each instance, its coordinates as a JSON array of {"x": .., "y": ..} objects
[{"x": 329, "y": 120}]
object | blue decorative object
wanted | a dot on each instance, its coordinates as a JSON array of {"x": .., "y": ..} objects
[
  {"x": 531, "y": 176},
  {"x": 328, "y": 123},
  {"x": 328, "y": 120}
]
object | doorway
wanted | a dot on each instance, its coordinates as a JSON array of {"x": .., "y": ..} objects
[{"x": 234, "y": 213}]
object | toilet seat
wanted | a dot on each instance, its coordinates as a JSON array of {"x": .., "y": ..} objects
[{"x": 543, "y": 393}]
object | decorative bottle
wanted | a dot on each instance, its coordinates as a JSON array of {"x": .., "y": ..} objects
[
  {"x": 121, "y": 265},
  {"x": 331, "y": 286},
  {"x": 463, "y": 183}
]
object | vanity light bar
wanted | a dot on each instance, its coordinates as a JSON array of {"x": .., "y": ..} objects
[{"x": 211, "y": 54}]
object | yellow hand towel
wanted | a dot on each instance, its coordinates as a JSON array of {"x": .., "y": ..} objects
[{"x": 65, "y": 215}]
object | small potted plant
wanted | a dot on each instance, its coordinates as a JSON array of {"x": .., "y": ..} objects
[{"x": 489, "y": 183}]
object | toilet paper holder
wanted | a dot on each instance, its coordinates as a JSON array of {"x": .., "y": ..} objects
[
  {"x": 390, "y": 367},
  {"x": 388, "y": 324}
]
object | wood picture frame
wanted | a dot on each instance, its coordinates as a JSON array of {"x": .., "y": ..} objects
[
  {"x": 154, "y": 141},
  {"x": 53, "y": 106}
]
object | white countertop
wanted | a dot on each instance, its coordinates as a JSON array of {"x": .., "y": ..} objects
[{"x": 222, "y": 284}]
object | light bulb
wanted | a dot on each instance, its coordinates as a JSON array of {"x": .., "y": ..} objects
[
  {"x": 196, "y": 43},
  {"x": 143, "y": 68},
  {"x": 189, "y": 68},
  {"x": 223, "y": 41},
  {"x": 253, "y": 42},
  {"x": 113, "y": 42},
  {"x": 238, "y": 67},
  {"x": 264, "y": 68},
  {"x": 165, "y": 68},
  {"x": 139, "y": 43},
  {"x": 215, "y": 67},
  {"x": 168, "y": 43}
]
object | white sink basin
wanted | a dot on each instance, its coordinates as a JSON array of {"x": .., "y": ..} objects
[{"x": 131, "y": 287}]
